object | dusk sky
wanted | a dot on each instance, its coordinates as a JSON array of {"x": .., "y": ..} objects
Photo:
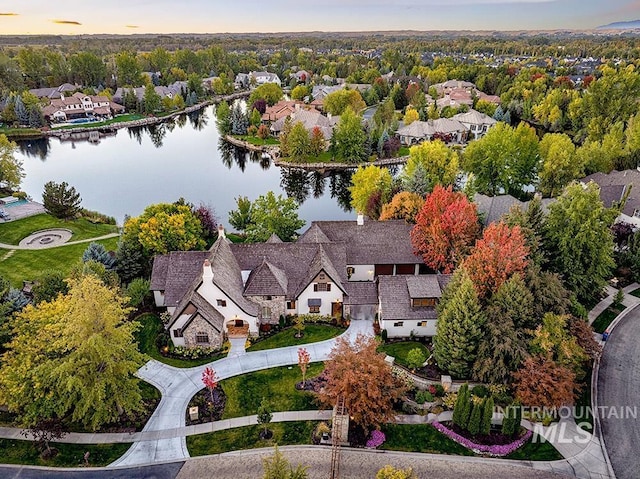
[{"x": 207, "y": 16}]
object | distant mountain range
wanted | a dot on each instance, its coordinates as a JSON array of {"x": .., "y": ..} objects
[{"x": 621, "y": 25}]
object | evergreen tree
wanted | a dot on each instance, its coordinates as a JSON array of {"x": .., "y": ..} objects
[
  {"x": 460, "y": 405},
  {"x": 14, "y": 301},
  {"x": 97, "y": 252},
  {"x": 460, "y": 324},
  {"x": 487, "y": 415},
  {"x": 36, "y": 118},
  {"x": 476, "y": 418},
  {"x": 239, "y": 122},
  {"x": 61, "y": 200},
  {"x": 21, "y": 111},
  {"x": 130, "y": 260},
  {"x": 223, "y": 118},
  {"x": 511, "y": 420}
]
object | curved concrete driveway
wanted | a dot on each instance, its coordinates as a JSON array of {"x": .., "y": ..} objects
[
  {"x": 619, "y": 387},
  {"x": 179, "y": 385}
]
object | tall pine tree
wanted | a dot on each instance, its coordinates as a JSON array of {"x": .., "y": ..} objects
[{"x": 460, "y": 324}]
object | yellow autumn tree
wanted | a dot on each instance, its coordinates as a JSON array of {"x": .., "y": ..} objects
[
  {"x": 73, "y": 357},
  {"x": 435, "y": 160},
  {"x": 403, "y": 206},
  {"x": 410, "y": 116}
]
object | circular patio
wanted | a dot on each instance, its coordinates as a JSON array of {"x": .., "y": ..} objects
[{"x": 46, "y": 238}]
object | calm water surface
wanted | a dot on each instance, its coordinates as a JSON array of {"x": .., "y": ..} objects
[{"x": 123, "y": 173}]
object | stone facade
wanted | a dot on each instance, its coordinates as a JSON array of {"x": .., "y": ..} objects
[
  {"x": 199, "y": 325},
  {"x": 277, "y": 304}
]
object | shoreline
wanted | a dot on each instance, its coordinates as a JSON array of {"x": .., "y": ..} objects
[
  {"x": 274, "y": 153},
  {"x": 152, "y": 120}
]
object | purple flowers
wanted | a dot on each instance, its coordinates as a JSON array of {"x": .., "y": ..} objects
[
  {"x": 376, "y": 439},
  {"x": 496, "y": 450}
]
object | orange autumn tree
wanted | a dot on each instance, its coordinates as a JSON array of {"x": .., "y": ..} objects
[
  {"x": 357, "y": 372},
  {"x": 498, "y": 255},
  {"x": 445, "y": 229},
  {"x": 403, "y": 206},
  {"x": 541, "y": 382}
]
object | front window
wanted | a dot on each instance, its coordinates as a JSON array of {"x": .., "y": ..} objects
[
  {"x": 291, "y": 305},
  {"x": 322, "y": 287},
  {"x": 398, "y": 324},
  {"x": 177, "y": 333},
  {"x": 314, "y": 309},
  {"x": 202, "y": 338},
  {"x": 266, "y": 312}
]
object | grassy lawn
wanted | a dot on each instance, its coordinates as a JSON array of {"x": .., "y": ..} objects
[
  {"x": 117, "y": 119},
  {"x": 146, "y": 337},
  {"x": 69, "y": 455},
  {"x": 254, "y": 140},
  {"x": 284, "y": 434},
  {"x": 245, "y": 392},
  {"x": 420, "y": 438},
  {"x": 400, "y": 350},
  {"x": 14, "y": 231},
  {"x": 605, "y": 318},
  {"x": 636, "y": 293},
  {"x": 539, "y": 451},
  {"x": 312, "y": 334},
  {"x": 29, "y": 264},
  {"x": 403, "y": 151}
]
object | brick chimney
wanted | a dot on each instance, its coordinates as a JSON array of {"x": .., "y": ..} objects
[
  {"x": 207, "y": 271},
  {"x": 221, "y": 233}
]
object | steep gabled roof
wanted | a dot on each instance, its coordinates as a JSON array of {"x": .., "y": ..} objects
[
  {"x": 203, "y": 309},
  {"x": 184, "y": 268},
  {"x": 425, "y": 286},
  {"x": 395, "y": 298},
  {"x": 321, "y": 262},
  {"x": 274, "y": 238},
  {"x": 266, "y": 279},
  {"x": 313, "y": 235},
  {"x": 227, "y": 275},
  {"x": 159, "y": 273}
]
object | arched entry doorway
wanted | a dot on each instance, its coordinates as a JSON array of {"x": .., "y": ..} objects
[{"x": 236, "y": 327}]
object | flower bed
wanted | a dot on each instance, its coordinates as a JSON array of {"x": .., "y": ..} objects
[
  {"x": 376, "y": 439},
  {"x": 498, "y": 450}
]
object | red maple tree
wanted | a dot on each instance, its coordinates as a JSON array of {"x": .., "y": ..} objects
[
  {"x": 498, "y": 255},
  {"x": 445, "y": 229},
  {"x": 210, "y": 380},
  {"x": 541, "y": 382}
]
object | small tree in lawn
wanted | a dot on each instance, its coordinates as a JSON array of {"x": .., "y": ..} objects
[
  {"x": 263, "y": 132},
  {"x": 415, "y": 358},
  {"x": 43, "y": 432},
  {"x": 264, "y": 417},
  {"x": 298, "y": 325},
  {"x": 210, "y": 380},
  {"x": 303, "y": 361}
]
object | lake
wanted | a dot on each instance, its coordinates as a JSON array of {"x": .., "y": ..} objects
[{"x": 121, "y": 173}]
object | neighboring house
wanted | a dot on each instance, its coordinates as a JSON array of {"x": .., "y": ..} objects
[
  {"x": 55, "y": 93},
  {"x": 451, "y": 85},
  {"x": 241, "y": 81},
  {"x": 261, "y": 78},
  {"x": 301, "y": 76},
  {"x": 310, "y": 119},
  {"x": 455, "y": 99},
  {"x": 320, "y": 92},
  {"x": 477, "y": 123},
  {"x": 80, "y": 105},
  {"x": 282, "y": 109},
  {"x": 493, "y": 208},
  {"x": 335, "y": 268},
  {"x": 620, "y": 187},
  {"x": 446, "y": 129},
  {"x": 170, "y": 91}
]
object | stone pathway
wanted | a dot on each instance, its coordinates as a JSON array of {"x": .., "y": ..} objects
[{"x": 237, "y": 347}]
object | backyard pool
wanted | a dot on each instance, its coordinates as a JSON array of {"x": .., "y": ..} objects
[
  {"x": 81, "y": 120},
  {"x": 16, "y": 203}
]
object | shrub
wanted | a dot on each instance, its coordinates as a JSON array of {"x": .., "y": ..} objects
[
  {"x": 96, "y": 217},
  {"x": 383, "y": 335},
  {"x": 480, "y": 391},
  {"x": 376, "y": 439},
  {"x": 423, "y": 397},
  {"x": 449, "y": 400},
  {"x": 475, "y": 419},
  {"x": 415, "y": 358},
  {"x": 487, "y": 415}
]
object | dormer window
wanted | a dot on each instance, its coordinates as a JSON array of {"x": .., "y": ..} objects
[
  {"x": 222, "y": 303},
  {"x": 423, "y": 302},
  {"x": 322, "y": 287}
]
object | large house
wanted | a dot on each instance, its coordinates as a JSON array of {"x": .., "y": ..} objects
[
  {"x": 477, "y": 123},
  {"x": 446, "y": 129},
  {"x": 335, "y": 268},
  {"x": 80, "y": 105},
  {"x": 310, "y": 119},
  {"x": 620, "y": 188}
]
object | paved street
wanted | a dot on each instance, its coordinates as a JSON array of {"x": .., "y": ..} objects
[
  {"x": 360, "y": 464},
  {"x": 156, "y": 471},
  {"x": 619, "y": 386}
]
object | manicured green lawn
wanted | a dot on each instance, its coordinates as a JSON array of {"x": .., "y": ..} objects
[
  {"x": 29, "y": 264},
  {"x": 312, "y": 334},
  {"x": 254, "y": 140},
  {"x": 420, "y": 438},
  {"x": 400, "y": 350},
  {"x": 403, "y": 151},
  {"x": 636, "y": 293},
  {"x": 605, "y": 318},
  {"x": 245, "y": 392},
  {"x": 69, "y": 455},
  {"x": 146, "y": 337},
  {"x": 14, "y": 231},
  {"x": 539, "y": 451},
  {"x": 284, "y": 434}
]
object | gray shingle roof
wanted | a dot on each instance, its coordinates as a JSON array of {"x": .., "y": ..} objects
[
  {"x": 274, "y": 238},
  {"x": 321, "y": 262},
  {"x": 395, "y": 300},
  {"x": 612, "y": 188},
  {"x": 266, "y": 279},
  {"x": 184, "y": 268},
  {"x": 423, "y": 286},
  {"x": 365, "y": 292},
  {"x": 313, "y": 235},
  {"x": 374, "y": 242},
  {"x": 203, "y": 309},
  {"x": 159, "y": 272}
]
